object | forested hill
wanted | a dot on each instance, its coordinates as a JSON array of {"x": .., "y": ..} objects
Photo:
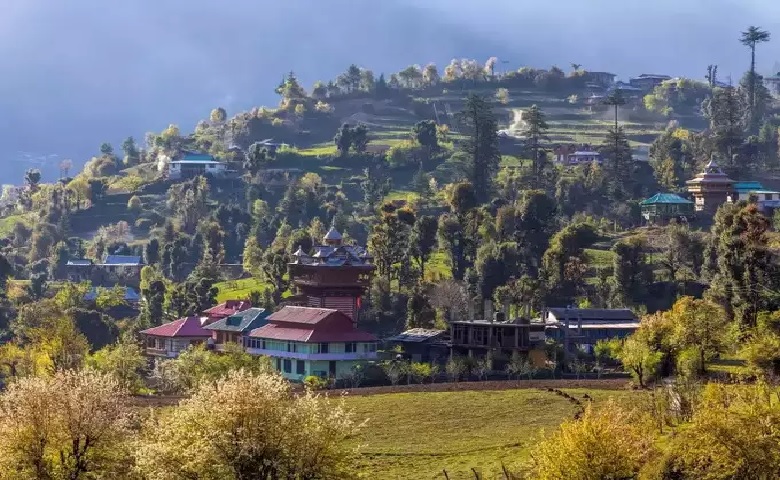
[{"x": 85, "y": 69}]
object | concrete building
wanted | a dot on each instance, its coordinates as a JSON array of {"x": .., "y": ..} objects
[
  {"x": 195, "y": 164},
  {"x": 303, "y": 341},
  {"x": 584, "y": 327}
]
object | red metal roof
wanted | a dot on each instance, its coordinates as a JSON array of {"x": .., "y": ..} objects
[
  {"x": 183, "y": 327},
  {"x": 303, "y": 315},
  {"x": 308, "y": 335},
  {"x": 230, "y": 307}
]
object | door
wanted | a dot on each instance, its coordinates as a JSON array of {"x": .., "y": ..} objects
[{"x": 332, "y": 368}]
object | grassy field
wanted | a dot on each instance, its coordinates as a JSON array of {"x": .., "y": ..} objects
[
  {"x": 238, "y": 289},
  {"x": 418, "y": 435}
]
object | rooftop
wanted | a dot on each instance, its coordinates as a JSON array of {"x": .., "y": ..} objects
[
  {"x": 122, "y": 260},
  {"x": 668, "y": 198},
  {"x": 591, "y": 314},
  {"x": 240, "y": 322},
  {"x": 307, "y": 324},
  {"x": 191, "y": 157},
  {"x": 81, "y": 262},
  {"x": 130, "y": 295},
  {"x": 416, "y": 335},
  {"x": 302, "y": 315},
  {"x": 230, "y": 307},
  {"x": 183, "y": 327},
  {"x": 747, "y": 186}
]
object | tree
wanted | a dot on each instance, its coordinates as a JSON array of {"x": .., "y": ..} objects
[
  {"x": 152, "y": 252},
  {"x": 124, "y": 361},
  {"x": 632, "y": 271},
  {"x": 606, "y": 442},
  {"x": 617, "y": 153},
  {"x": 134, "y": 204},
  {"x": 343, "y": 139},
  {"x": 72, "y": 425},
  {"x": 430, "y": 75},
  {"x": 106, "y": 149},
  {"x": 638, "y": 357},
  {"x": 423, "y": 240},
  {"x": 502, "y": 95},
  {"x": 32, "y": 177},
  {"x": 218, "y": 115},
  {"x": 257, "y": 157},
  {"x": 249, "y": 426},
  {"x": 727, "y": 436},
  {"x": 750, "y": 38},
  {"x": 615, "y": 99},
  {"x": 724, "y": 110},
  {"x": 97, "y": 189},
  {"x": 425, "y": 134},
  {"x": 130, "y": 149},
  {"x": 576, "y": 67},
  {"x": 699, "y": 325},
  {"x": 481, "y": 144},
  {"x": 536, "y": 133}
]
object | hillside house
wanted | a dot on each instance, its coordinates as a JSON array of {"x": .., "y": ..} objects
[
  {"x": 648, "y": 81},
  {"x": 583, "y": 157},
  {"x": 114, "y": 270},
  {"x": 605, "y": 79},
  {"x": 170, "y": 339},
  {"x": 772, "y": 83},
  {"x": 422, "y": 344},
  {"x": 767, "y": 200},
  {"x": 664, "y": 207},
  {"x": 584, "y": 327},
  {"x": 233, "y": 328},
  {"x": 193, "y": 165},
  {"x": 303, "y": 341}
]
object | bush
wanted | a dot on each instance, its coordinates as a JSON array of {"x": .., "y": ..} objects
[
  {"x": 144, "y": 224},
  {"x": 134, "y": 204},
  {"x": 401, "y": 155},
  {"x": 314, "y": 382}
]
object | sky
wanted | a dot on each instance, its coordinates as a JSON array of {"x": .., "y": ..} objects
[{"x": 81, "y": 72}]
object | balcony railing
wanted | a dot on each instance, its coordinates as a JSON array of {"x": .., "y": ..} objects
[{"x": 313, "y": 356}]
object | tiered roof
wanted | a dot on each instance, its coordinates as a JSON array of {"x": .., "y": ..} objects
[
  {"x": 711, "y": 175},
  {"x": 334, "y": 254}
]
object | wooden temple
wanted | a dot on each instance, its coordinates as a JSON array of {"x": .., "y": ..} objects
[{"x": 334, "y": 276}]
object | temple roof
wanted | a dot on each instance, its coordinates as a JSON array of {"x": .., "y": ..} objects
[
  {"x": 711, "y": 174},
  {"x": 333, "y": 234}
]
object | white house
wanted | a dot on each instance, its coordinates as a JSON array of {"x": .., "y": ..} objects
[{"x": 194, "y": 164}]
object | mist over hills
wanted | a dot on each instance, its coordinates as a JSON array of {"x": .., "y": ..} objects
[{"x": 85, "y": 71}]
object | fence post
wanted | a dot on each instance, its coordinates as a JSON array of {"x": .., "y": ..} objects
[
  {"x": 445, "y": 474},
  {"x": 476, "y": 475},
  {"x": 506, "y": 472}
]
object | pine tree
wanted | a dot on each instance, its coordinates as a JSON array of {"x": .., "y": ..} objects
[
  {"x": 481, "y": 144},
  {"x": 535, "y": 133},
  {"x": 617, "y": 153}
]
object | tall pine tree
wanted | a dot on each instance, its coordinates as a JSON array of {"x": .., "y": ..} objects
[{"x": 481, "y": 144}]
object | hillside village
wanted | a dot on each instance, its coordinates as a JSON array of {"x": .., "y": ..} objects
[{"x": 432, "y": 232}]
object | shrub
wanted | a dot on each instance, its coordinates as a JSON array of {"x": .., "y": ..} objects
[
  {"x": 401, "y": 155},
  {"x": 144, "y": 224},
  {"x": 134, "y": 204},
  {"x": 277, "y": 122},
  {"x": 314, "y": 382}
]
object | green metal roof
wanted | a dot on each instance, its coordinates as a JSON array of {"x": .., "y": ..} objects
[
  {"x": 747, "y": 186},
  {"x": 665, "y": 198},
  {"x": 241, "y": 322}
]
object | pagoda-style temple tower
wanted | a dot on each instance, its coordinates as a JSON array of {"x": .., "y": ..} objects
[
  {"x": 710, "y": 188},
  {"x": 334, "y": 276}
]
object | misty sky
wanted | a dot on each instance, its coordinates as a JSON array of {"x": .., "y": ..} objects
[{"x": 80, "y": 72}]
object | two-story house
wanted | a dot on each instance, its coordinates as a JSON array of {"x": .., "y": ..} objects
[
  {"x": 303, "y": 341},
  {"x": 170, "y": 339},
  {"x": 233, "y": 328}
]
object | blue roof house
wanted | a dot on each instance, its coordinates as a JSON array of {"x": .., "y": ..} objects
[{"x": 663, "y": 207}]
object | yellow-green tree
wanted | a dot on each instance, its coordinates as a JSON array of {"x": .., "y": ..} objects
[
  {"x": 733, "y": 434},
  {"x": 124, "y": 361},
  {"x": 609, "y": 442},
  {"x": 248, "y": 426},
  {"x": 699, "y": 325},
  {"x": 69, "y": 426}
]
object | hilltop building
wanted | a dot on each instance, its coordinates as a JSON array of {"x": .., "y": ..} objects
[
  {"x": 334, "y": 276},
  {"x": 648, "y": 81},
  {"x": 114, "y": 270},
  {"x": 663, "y": 207},
  {"x": 605, "y": 79},
  {"x": 767, "y": 200},
  {"x": 236, "y": 327},
  {"x": 192, "y": 165},
  {"x": 170, "y": 339},
  {"x": 710, "y": 188}
]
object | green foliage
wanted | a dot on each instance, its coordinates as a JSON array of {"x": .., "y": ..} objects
[
  {"x": 315, "y": 383},
  {"x": 124, "y": 361},
  {"x": 481, "y": 145}
]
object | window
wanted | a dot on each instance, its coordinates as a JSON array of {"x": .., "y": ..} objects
[
  {"x": 768, "y": 196},
  {"x": 300, "y": 367},
  {"x": 323, "y": 348},
  {"x": 369, "y": 347},
  {"x": 279, "y": 364},
  {"x": 350, "y": 347},
  {"x": 287, "y": 365}
]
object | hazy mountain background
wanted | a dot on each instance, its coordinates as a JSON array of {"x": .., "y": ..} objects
[{"x": 80, "y": 72}]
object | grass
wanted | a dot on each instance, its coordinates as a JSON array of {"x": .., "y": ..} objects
[
  {"x": 407, "y": 195},
  {"x": 599, "y": 258},
  {"x": 318, "y": 150},
  {"x": 7, "y": 223},
  {"x": 417, "y": 435},
  {"x": 238, "y": 289}
]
